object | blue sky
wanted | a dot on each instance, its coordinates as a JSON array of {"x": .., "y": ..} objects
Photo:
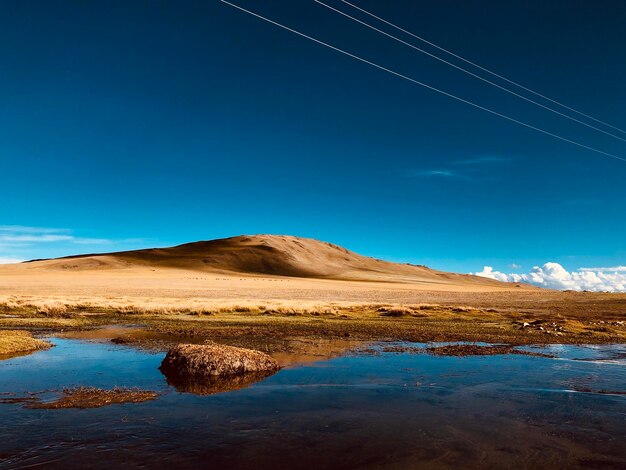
[{"x": 134, "y": 124}]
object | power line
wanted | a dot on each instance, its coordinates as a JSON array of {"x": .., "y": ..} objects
[
  {"x": 349, "y": 54},
  {"x": 483, "y": 68},
  {"x": 468, "y": 72}
]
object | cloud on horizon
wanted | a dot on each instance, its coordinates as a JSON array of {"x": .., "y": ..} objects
[
  {"x": 613, "y": 269},
  {"x": 17, "y": 242},
  {"x": 554, "y": 276},
  {"x": 19, "y": 234}
]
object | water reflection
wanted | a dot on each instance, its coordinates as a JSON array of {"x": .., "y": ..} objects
[
  {"x": 391, "y": 410},
  {"x": 212, "y": 385},
  {"x": 289, "y": 352}
]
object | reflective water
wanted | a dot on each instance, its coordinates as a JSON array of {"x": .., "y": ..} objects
[{"x": 358, "y": 411}]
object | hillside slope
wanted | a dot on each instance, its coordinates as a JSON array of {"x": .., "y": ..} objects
[{"x": 273, "y": 255}]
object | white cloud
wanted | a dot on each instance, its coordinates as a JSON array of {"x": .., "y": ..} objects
[
  {"x": 20, "y": 235},
  {"x": 34, "y": 238},
  {"x": 459, "y": 169},
  {"x": 514, "y": 266},
  {"x": 18, "y": 242},
  {"x": 554, "y": 276},
  {"x": 613, "y": 269},
  {"x": 440, "y": 173},
  {"x": 24, "y": 229},
  {"x": 10, "y": 260}
]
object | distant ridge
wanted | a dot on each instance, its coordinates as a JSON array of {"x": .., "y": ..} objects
[{"x": 261, "y": 255}]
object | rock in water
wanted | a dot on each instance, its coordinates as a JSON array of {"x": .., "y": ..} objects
[
  {"x": 212, "y": 360},
  {"x": 217, "y": 384}
]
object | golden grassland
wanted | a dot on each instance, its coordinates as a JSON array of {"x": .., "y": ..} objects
[
  {"x": 515, "y": 318},
  {"x": 252, "y": 289},
  {"x": 17, "y": 342}
]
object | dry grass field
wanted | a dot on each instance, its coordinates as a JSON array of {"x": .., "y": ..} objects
[
  {"x": 282, "y": 287},
  {"x": 18, "y": 342}
]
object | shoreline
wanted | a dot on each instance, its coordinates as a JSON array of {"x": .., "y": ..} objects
[{"x": 363, "y": 323}]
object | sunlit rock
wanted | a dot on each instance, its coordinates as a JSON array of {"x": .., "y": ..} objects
[{"x": 212, "y": 367}]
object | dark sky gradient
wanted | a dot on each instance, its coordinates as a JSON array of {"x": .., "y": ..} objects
[{"x": 177, "y": 121}]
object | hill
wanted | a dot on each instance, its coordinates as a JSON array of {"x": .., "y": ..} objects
[{"x": 260, "y": 255}]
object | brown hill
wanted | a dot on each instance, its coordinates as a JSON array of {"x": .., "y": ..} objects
[{"x": 273, "y": 255}]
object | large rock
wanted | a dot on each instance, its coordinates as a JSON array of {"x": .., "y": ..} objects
[{"x": 212, "y": 360}]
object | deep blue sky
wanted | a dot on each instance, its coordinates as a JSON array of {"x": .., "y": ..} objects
[{"x": 141, "y": 123}]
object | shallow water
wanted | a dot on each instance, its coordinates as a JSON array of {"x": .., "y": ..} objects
[{"x": 392, "y": 410}]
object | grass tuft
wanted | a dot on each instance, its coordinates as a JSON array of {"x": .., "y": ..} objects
[{"x": 17, "y": 341}]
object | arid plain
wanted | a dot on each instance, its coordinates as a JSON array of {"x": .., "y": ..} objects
[{"x": 281, "y": 287}]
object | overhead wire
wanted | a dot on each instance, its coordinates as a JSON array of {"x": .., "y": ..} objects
[
  {"x": 469, "y": 72},
  {"x": 425, "y": 85},
  {"x": 501, "y": 77}
]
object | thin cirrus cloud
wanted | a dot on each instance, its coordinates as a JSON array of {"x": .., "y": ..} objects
[
  {"x": 19, "y": 234},
  {"x": 19, "y": 242},
  {"x": 554, "y": 276},
  {"x": 25, "y": 229},
  {"x": 34, "y": 238},
  {"x": 439, "y": 173},
  {"x": 465, "y": 164}
]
